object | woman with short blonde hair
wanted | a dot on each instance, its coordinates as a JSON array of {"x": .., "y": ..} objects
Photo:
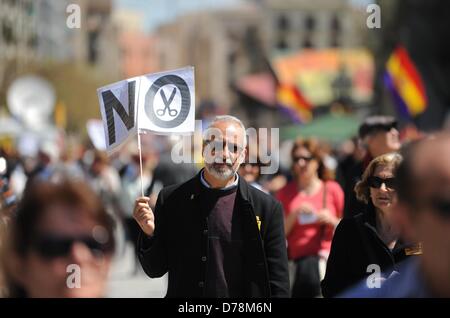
[
  {"x": 368, "y": 240},
  {"x": 362, "y": 188}
]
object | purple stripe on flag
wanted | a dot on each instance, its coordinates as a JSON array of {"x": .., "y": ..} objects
[
  {"x": 291, "y": 114},
  {"x": 402, "y": 108}
]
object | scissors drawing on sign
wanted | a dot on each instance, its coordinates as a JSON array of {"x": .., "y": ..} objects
[{"x": 172, "y": 112}]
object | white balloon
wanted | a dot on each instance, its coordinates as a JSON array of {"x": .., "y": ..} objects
[{"x": 31, "y": 99}]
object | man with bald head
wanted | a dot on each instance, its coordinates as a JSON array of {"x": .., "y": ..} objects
[
  {"x": 422, "y": 215},
  {"x": 215, "y": 235}
]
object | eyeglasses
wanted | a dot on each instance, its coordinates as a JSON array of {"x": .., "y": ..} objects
[
  {"x": 219, "y": 144},
  {"x": 376, "y": 182},
  {"x": 52, "y": 246}
]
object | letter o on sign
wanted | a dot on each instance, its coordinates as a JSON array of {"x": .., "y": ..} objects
[{"x": 185, "y": 101}]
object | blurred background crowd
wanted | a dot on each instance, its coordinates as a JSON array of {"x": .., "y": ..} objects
[{"x": 313, "y": 69}]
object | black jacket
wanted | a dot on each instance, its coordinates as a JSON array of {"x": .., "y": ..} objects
[
  {"x": 349, "y": 173},
  {"x": 179, "y": 243},
  {"x": 355, "y": 246}
]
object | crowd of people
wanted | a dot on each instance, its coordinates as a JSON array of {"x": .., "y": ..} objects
[{"x": 368, "y": 219}]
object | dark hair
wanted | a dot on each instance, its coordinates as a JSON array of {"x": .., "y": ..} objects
[{"x": 376, "y": 123}]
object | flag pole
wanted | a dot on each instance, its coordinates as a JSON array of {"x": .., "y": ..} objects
[
  {"x": 140, "y": 162},
  {"x": 139, "y": 140}
]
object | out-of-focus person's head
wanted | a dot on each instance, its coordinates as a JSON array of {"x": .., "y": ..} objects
[
  {"x": 379, "y": 135},
  {"x": 423, "y": 212},
  {"x": 72, "y": 151},
  {"x": 224, "y": 146},
  {"x": 148, "y": 153},
  {"x": 378, "y": 182},
  {"x": 250, "y": 169},
  {"x": 48, "y": 153},
  {"x": 307, "y": 160},
  {"x": 100, "y": 162},
  {"x": 133, "y": 152},
  {"x": 60, "y": 244}
]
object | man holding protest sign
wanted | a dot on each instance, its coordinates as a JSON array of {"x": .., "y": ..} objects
[{"x": 215, "y": 235}]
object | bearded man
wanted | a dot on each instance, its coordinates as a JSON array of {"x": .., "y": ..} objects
[{"x": 216, "y": 235}]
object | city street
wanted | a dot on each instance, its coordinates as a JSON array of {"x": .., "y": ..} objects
[{"x": 126, "y": 282}]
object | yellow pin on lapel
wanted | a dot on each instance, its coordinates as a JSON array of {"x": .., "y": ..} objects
[
  {"x": 258, "y": 220},
  {"x": 414, "y": 250}
]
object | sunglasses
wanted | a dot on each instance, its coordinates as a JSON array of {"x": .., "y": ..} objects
[
  {"x": 252, "y": 164},
  {"x": 388, "y": 127},
  {"x": 306, "y": 159},
  {"x": 218, "y": 144},
  {"x": 53, "y": 246},
  {"x": 376, "y": 182}
]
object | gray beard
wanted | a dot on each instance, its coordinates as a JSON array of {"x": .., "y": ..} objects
[{"x": 224, "y": 174}]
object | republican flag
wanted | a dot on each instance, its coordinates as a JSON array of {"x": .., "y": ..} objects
[
  {"x": 293, "y": 103},
  {"x": 404, "y": 81}
]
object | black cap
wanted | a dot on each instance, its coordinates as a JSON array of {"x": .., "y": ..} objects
[{"x": 374, "y": 124}]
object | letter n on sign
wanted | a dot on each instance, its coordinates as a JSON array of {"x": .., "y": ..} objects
[{"x": 118, "y": 109}]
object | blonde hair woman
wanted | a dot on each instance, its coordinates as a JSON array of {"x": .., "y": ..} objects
[{"x": 368, "y": 241}]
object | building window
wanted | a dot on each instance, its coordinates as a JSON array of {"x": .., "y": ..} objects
[
  {"x": 92, "y": 47},
  {"x": 283, "y": 23},
  {"x": 307, "y": 43},
  {"x": 310, "y": 23},
  {"x": 335, "y": 24},
  {"x": 8, "y": 34},
  {"x": 282, "y": 44},
  {"x": 335, "y": 31}
]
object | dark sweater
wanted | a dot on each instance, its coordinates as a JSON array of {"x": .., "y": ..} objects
[
  {"x": 181, "y": 241},
  {"x": 224, "y": 267}
]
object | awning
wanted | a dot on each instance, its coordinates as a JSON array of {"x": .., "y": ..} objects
[
  {"x": 260, "y": 87},
  {"x": 332, "y": 128}
]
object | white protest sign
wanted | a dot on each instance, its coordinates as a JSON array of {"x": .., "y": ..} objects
[
  {"x": 96, "y": 133},
  {"x": 167, "y": 102},
  {"x": 118, "y": 108}
]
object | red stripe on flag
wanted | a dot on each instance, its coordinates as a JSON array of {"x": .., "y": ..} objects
[
  {"x": 301, "y": 99},
  {"x": 410, "y": 69},
  {"x": 290, "y": 97}
]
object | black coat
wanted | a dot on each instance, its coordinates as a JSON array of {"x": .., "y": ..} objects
[
  {"x": 180, "y": 241},
  {"x": 355, "y": 246},
  {"x": 349, "y": 173}
]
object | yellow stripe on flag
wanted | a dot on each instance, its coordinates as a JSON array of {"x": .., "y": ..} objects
[{"x": 406, "y": 87}]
